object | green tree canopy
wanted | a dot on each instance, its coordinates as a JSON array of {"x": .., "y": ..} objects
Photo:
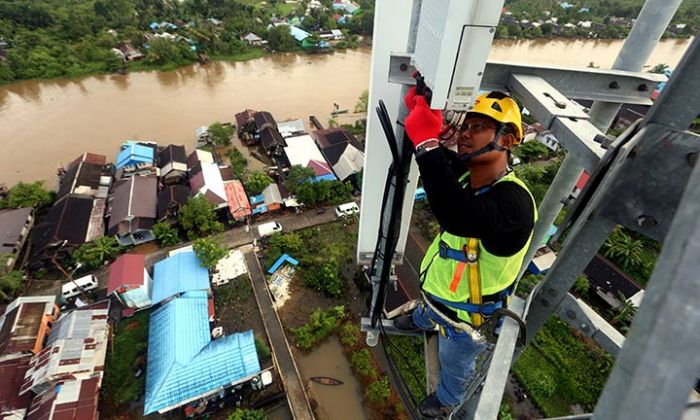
[
  {"x": 256, "y": 181},
  {"x": 166, "y": 234},
  {"x": 198, "y": 218},
  {"x": 296, "y": 176},
  {"x": 95, "y": 253},
  {"x": 238, "y": 162},
  {"x": 209, "y": 251},
  {"x": 220, "y": 134},
  {"x": 279, "y": 39},
  {"x": 23, "y": 194}
]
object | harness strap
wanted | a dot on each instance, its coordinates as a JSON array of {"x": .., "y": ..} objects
[
  {"x": 461, "y": 326},
  {"x": 474, "y": 279}
]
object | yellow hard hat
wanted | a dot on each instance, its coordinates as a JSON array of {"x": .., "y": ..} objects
[{"x": 501, "y": 108}]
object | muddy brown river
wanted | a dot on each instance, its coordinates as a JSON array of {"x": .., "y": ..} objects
[{"x": 47, "y": 123}]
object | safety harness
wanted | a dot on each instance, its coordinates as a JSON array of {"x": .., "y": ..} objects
[{"x": 468, "y": 258}]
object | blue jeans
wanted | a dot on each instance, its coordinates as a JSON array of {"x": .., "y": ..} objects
[{"x": 457, "y": 354}]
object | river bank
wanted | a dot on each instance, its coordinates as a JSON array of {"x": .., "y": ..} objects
[{"x": 50, "y": 122}]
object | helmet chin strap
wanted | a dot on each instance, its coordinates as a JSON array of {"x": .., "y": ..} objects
[{"x": 493, "y": 145}]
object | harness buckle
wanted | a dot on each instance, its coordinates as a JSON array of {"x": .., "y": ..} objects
[{"x": 472, "y": 257}]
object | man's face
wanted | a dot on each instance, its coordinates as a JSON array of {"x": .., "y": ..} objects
[{"x": 475, "y": 133}]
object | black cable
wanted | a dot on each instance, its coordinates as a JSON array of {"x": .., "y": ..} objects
[{"x": 398, "y": 174}]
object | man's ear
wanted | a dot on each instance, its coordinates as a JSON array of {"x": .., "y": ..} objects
[{"x": 507, "y": 141}]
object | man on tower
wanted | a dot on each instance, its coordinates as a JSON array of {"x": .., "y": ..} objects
[{"x": 486, "y": 218}]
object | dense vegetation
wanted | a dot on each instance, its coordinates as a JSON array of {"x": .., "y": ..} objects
[
  {"x": 601, "y": 14},
  {"x": 559, "y": 369},
  {"x": 59, "y": 38},
  {"x": 127, "y": 355},
  {"x": 324, "y": 254}
]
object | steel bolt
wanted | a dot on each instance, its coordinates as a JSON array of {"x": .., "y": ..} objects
[
  {"x": 479, "y": 73},
  {"x": 692, "y": 158},
  {"x": 585, "y": 327},
  {"x": 544, "y": 303},
  {"x": 552, "y": 292},
  {"x": 403, "y": 67},
  {"x": 571, "y": 314},
  {"x": 642, "y": 88},
  {"x": 492, "y": 29},
  {"x": 614, "y": 85},
  {"x": 646, "y": 221}
]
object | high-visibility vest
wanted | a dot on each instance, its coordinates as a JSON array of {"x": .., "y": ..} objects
[{"x": 481, "y": 273}]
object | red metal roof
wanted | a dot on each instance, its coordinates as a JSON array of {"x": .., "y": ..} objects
[
  {"x": 321, "y": 168},
  {"x": 11, "y": 378},
  {"x": 126, "y": 271},
  {"x": 238, "y": 203},
  {"x": 71, "y": 400}
]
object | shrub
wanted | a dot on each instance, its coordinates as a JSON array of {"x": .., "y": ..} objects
[
  {"x": 349, "y": 334},
  {"x": 362, "y": 362},
  {"x": 247, "y": 414},
  {"x": 321, "y": 325},
  {"x": 324, "y": 278},
  {"x": 379, "y": 391}
]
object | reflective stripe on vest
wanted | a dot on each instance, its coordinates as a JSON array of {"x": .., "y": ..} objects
[{"x": 488, "y": 274}]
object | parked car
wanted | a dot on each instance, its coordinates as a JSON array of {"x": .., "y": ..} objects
[
  {"x": 269, "y": 228},
  {"x": 75, "y": 287},
  {"x": 347, "y": 209}
]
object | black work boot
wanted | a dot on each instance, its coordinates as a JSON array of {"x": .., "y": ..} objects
[
  {"x": 405, "y": 322},
  {"x": 432, "y": 408}
]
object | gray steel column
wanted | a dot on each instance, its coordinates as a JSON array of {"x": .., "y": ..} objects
[
  {"x": 660, "y": 360},
  {"x": 651, "y": 24},
  {"x": 382, "y": 260},
  {"x": 551, "y": 205},
  {"x": 645, "y": 34},
  {"x": 584, "y": 240}
]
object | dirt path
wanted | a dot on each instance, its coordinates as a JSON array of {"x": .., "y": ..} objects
[{"x": 296, "y": 394}]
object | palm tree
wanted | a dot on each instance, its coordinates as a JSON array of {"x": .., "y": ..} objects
[
  {"x": 96, "y": 252},
  {"x": 625, "y": 314},
  {"x": 624, "y": 250}
]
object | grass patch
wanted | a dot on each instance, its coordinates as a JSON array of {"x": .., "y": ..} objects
[
  {"x": 251, "y": 54},
  {"x": 127, "y": 355},
  {"x": 559, "y": 370},
  {"x": 239, "y": 289},
  {"x": 407, "y": 352}
]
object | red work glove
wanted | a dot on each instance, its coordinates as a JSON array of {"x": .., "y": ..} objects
[
  {"x": 423, "y": 123},
  {"x": 410, "y": 99}
]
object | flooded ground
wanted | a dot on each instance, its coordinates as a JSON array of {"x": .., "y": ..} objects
[
  {"x": 332, "y": 401},
  {"x": 45, "y": 123}
]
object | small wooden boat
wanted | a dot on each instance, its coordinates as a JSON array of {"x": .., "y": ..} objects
[{"x": 325, "y": 380}]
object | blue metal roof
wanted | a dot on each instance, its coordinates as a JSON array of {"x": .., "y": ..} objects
[
  {"x": 298, "y": 33},
  {"x": 178, "y": 274},
  {"x": 133, "y": 154},
  {"x": 183, "y": 362},
  {"x": 280, "y": 261}
]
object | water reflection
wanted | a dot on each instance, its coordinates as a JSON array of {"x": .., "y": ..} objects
[
  {"x": 29, "y": 90},
  {"x": 47, "y": 121}
]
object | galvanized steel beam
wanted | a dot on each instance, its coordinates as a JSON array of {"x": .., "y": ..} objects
[
  {"x": 591, "y": 84},
  {"x": 679, "y": 102},
  {"x": 586, "y": 320},
  {"x": 658, "y": 365}
]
